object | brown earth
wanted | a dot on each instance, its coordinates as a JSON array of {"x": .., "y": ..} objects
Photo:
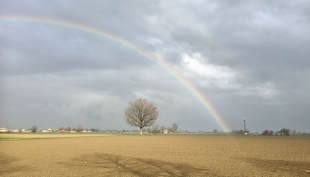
[{"x": 157, "y": 155}]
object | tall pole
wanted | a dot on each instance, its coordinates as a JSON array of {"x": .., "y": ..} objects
[{"x": 244, "y": 119}]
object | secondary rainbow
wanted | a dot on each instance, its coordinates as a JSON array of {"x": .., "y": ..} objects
[{"x": 160, "y": 62}]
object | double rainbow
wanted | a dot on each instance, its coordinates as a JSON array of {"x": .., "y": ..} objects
[{"x": 121, "y": 41}]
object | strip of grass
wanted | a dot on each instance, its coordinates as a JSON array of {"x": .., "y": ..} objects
[
  {"x": 9, "y": 139},
  {"x": 33, "y": 138},
  {"x": 36, "y": 138},
  {"x": 117, "y": 134}
]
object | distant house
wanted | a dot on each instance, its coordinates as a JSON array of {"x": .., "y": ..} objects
[
  {"x": 50, "y": 130},
  {"x": 165, "y": 131},
  {"x": 3, "y": 130},
  {"x": 63, "y": 131}
]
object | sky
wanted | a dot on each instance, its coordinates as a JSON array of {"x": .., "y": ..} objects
[{"x": 205, "y": 64}]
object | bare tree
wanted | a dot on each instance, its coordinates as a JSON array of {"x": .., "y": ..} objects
[
  {"x": 68, "y": 129},
  {"x": 141, "y": 113},
  {"x": 175, "y": 127},
  {"x": 155, "y": 129},
  {"x": 79, "y": 128},
  {"x": 8, "y": 129},
  {"x": 149, "y": 130},
  {"x": 215, "y": 131},
  {"x": 20, "y": 129},
  {"x": 170, "y": 129}
]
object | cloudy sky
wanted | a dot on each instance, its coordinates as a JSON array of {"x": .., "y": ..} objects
[{"x": 247, "y": 58}]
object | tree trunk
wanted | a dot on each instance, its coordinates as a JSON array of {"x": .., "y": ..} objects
[{"x": 140, "y": 131}]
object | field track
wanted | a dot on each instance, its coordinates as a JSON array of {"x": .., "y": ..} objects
[{"x": 153, "y": 155}]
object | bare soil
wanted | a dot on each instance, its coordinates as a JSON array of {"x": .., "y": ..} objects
[{"x": 155, "y": 155}]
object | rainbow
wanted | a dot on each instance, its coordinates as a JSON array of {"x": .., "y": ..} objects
[{"x": 109, "y": 36}]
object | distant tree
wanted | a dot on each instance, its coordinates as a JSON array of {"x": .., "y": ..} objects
[
  {"x": 8, "y": 129},
  {"x": 162, "y": 128},
  {"x": 170, "y": 129},
  {"x": 277, "y": 133},
  {"x": 298, "y": 133},
  {"x": 284, "y": 132},
  {"x": 241, "y": 132},
  {"x": 141, "y": 113},
  {"x": 235, "y": 131},
  {"x": 68, "y": 129},
  {"x": 270, "y": 132},
  {"x": 155, "y": 129},
  {"x": 294, "y": 132},
  {"x": 265, "y": 132},
  {"x": 20, "y": 129},
  {"x": 79, "y": 128},
  {"x": 34, "y": 129},
  {"x": 94, "y": 130},
  {"x": 61, "y": 128},
  {"x": 215, "y": 131},
  {"x": 175, "y": 127}
]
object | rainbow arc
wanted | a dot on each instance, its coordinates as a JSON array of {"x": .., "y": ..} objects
[{"x": 125, "y": 43}]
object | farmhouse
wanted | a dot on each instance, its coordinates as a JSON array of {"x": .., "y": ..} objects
[
  {"x": 3, "y": 130},
  {"x": 48, "y": 130},
  {"x": 165, "y": 131},
  {"x": 62, "y": 131}
]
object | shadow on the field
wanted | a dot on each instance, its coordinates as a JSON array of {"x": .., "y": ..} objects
[
  {"x": 294, "y": 168},
  {"x": 8, "y": 167},
  {"x": 114, "y": 165}
]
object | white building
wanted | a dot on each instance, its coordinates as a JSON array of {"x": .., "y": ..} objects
[{"x": 3, "y": 130}]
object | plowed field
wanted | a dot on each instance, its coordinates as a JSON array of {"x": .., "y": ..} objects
[{"x": 155, "y": 155}]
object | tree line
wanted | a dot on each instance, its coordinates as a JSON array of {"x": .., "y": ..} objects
[
  {"x": 283, "y": 132},
  {"x": 35, "y": 129}
]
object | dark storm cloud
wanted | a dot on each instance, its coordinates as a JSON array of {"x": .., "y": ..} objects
[{"x": 248, "y": 58}]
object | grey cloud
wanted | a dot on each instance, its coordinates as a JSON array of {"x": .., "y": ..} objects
[
  {"x": 93, "y": 110},
  {"x": 56, "y": 76}
]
